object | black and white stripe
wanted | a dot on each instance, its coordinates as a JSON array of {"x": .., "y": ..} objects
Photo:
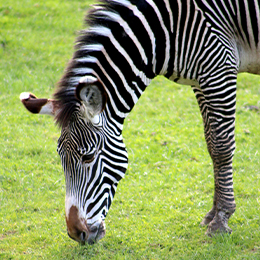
[{"x": 196, "y": 42}]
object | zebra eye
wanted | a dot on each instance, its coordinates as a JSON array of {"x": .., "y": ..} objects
[{"x": 88, "y": 158}]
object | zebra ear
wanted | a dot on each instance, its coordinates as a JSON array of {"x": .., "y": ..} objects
[
  {"x": 38, "y": 105},
  {"x": 92, "y": 95}
]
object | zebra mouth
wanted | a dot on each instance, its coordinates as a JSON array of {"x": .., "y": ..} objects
[{"x": 94, "y": 234}]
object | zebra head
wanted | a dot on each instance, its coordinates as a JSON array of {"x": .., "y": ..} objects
[{"x": 92, "y": 153}]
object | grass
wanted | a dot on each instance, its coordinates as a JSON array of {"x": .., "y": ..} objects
[{"x": 169, "y": 183}]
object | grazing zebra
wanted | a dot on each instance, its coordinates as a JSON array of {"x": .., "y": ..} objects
[{"x": 202, "y": 43}]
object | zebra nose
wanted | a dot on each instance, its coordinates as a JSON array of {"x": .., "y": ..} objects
[
  {"x": 79, "y": 230},
  {"x": 91, "y": 235}
]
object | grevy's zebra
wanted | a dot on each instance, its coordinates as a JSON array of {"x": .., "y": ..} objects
[{"x": 196, "y": 42}]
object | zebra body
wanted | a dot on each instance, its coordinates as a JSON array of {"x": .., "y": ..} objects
[{"x": 196, "y": 42}]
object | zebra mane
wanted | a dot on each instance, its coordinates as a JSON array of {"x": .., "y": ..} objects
[{"x": 67, "y": 103}]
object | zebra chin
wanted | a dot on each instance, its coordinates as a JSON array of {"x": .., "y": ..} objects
[{"x": 80, "y": 231}]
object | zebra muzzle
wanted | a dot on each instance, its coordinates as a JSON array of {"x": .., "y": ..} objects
[
  {"x": 96, "y": 232},
  {"x": 80, "y": 231}
]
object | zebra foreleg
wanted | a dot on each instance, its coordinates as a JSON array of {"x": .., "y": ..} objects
[{"x": 219, "y": 133}]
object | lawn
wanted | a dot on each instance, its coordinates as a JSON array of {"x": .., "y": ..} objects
[{"x": 168, "y": 187}]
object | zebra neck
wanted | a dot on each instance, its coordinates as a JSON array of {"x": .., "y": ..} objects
[
  {"x": 125, "y": 47},
  {"x": 121, "y": 51}
]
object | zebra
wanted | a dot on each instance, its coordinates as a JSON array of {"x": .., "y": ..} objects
[{"x": 127, "y": 43}]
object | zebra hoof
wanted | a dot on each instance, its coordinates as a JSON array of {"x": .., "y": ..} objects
[
  {"x": 212, "y": 232},
  {"x": 218, "y": 226}
]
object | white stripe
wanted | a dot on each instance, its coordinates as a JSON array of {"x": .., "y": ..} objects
[
  {"x": 137, "y": 87},
  {"x": 233, "y": 87},
  {"x": 176, "y": 69},
  {"x": 167, "y": 49},
  {"x": 170, "y": 13},
  {"x": 181, "y": 62},
  {"x": 91, "y": 47}
]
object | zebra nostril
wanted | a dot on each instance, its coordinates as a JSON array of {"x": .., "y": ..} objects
[{"x": 83, "y": 236}]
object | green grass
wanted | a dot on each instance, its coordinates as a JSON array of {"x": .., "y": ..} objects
[{"x": 169, "y": 183}]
